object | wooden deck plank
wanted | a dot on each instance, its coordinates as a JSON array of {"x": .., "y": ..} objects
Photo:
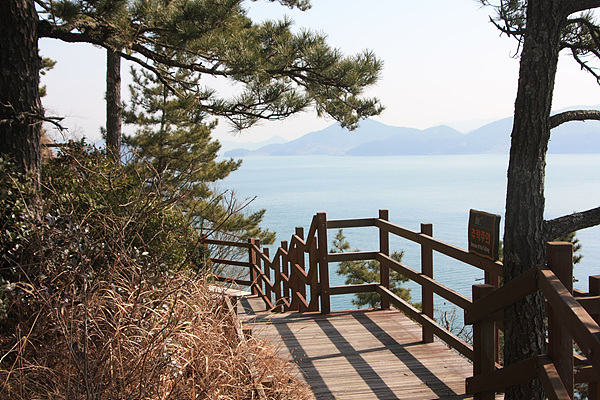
[{"x": 361, "y": 354}]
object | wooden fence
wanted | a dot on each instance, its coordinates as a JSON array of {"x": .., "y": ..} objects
[{"x": 296, "y": 278}]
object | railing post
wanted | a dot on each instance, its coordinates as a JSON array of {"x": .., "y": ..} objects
[
  {"x": 292, "y": 256},
  {"x": 285, "y": 271},
  {"x": 594, "y": 288},
  {"x": 267, "y": 272},
  {"x": 559, "y": 257},
  {"x": 313, "y": 274},
  {"x": 384, "y": 248},
  {"x": 494, "y": 280},
  {"x": 323, "y": 263},
  {"x": 252, "y": 264},
  {"x": 257, "y": 262},
  {"x": 277, "y": 281},
  {"x": 427, "y": 269},
  {"x": 484, "y": 346},
  {"x": 300, "y": 283}
]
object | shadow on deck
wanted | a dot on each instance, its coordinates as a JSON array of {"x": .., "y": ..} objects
[{"x": 361, "y": 354}]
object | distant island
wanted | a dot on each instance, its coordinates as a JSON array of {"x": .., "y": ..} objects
[{"x": 374, "y": 138}]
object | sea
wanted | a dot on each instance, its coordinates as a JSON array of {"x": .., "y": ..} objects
[{"x": 415, "y": 189}]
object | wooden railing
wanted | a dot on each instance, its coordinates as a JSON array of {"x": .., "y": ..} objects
[
  {"x": 296, "y": 278},
  {"x": 570, "y": 317},
  {"x": 283, "y": 281}
]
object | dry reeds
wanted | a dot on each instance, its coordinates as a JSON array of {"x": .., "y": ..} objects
[{"x": 127, "y": 338}]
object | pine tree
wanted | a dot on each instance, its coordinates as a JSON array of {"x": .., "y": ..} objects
[
  {"x": 544, "y": 28},
  {"x": 175, "y": 142}
]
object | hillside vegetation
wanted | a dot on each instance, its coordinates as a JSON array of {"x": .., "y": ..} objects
[{"x": 106, "y": 295}]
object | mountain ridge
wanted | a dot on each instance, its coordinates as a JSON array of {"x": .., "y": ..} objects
[{"x": 374, "y": 138}]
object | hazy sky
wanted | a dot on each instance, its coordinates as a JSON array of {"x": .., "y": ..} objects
[{"x": 444, "y": 63}]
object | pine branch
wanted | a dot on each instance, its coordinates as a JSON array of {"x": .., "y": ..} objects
[
  {"x": 576, "y": 115},
  {"x": 161, "y": 59},
  {"x": 569, "y": 223},
  {"x": 64, "y": 33}
]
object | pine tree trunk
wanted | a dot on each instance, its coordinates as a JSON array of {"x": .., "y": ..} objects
[
  {"x": 113, "y": 103},
  {"x": 20, "y": 105},
  {"x": 523, "y": 237}
]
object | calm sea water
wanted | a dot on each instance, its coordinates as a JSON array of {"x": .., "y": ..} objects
[{"x": 415, "y": 189}]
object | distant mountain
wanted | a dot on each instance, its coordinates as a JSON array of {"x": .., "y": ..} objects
[
  {"x": 435, "y": 140},
  {"x": 332, "y": 140},
  {"x": 373, "y": 138},
  {"x": 228, "y": 145}
]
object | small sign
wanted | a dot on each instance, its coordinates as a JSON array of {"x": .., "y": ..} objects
[{"x": 484, "y": 234}]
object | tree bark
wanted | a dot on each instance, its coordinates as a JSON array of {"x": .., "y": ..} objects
[
  {"x": 570, "y": 223},
  {"x": 575, "y": 115},
  {"x": 113, "y": 103},
  {"x": 21, "y": 113},
  {"x": 524, "y": 245}
]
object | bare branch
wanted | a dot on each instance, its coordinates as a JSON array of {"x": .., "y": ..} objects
[
  {"x": 37, "y": 118},
  {"x": 574, "y": 6},
  {"x": 570, "y": 223},
  {"x": 575, "y": 115},
  {"x": 582, "y": 63}
]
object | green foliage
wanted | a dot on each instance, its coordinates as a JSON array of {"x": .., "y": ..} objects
[
  {"x": 14, "y": 195},
  {"x": 95, "y": 217},
  {"x": 16, "y": 231},
  {"x": 47, "y": 65},
  {"x": 119, "y": 209},
  {"x": 175, "y": 143},
  {"x": 359, "y": 272},
  {"x": 278, "y": 72}
]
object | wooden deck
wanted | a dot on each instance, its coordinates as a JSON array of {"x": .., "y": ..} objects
[{"x": 361, "y": 354}]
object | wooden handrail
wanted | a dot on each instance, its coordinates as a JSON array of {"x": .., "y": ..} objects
[
  {"x": 576, "y": 320},
  {"x": 351, "y": 223},
  {"x": 442, "y": 247},
  {"x": 511, "y": 292},
  {"x": 448, "y": 337},
  {"x": 234, "y": 263},
  {"x": 228, "y": 243},
  {"x": 290, "y": 277},
  {"x": 353, "y": 256},
  {"x": 451, "y": 295}
]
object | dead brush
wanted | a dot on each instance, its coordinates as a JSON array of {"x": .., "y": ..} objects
[{"x": 125, "y": 337}]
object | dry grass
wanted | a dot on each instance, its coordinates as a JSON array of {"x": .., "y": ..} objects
[{"x": 126, "y": 337}]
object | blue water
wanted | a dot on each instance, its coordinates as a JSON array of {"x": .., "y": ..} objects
[{"x": 415, "y": 189}]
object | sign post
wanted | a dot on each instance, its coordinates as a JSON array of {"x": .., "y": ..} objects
[{"x": 484, "y": 234}]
